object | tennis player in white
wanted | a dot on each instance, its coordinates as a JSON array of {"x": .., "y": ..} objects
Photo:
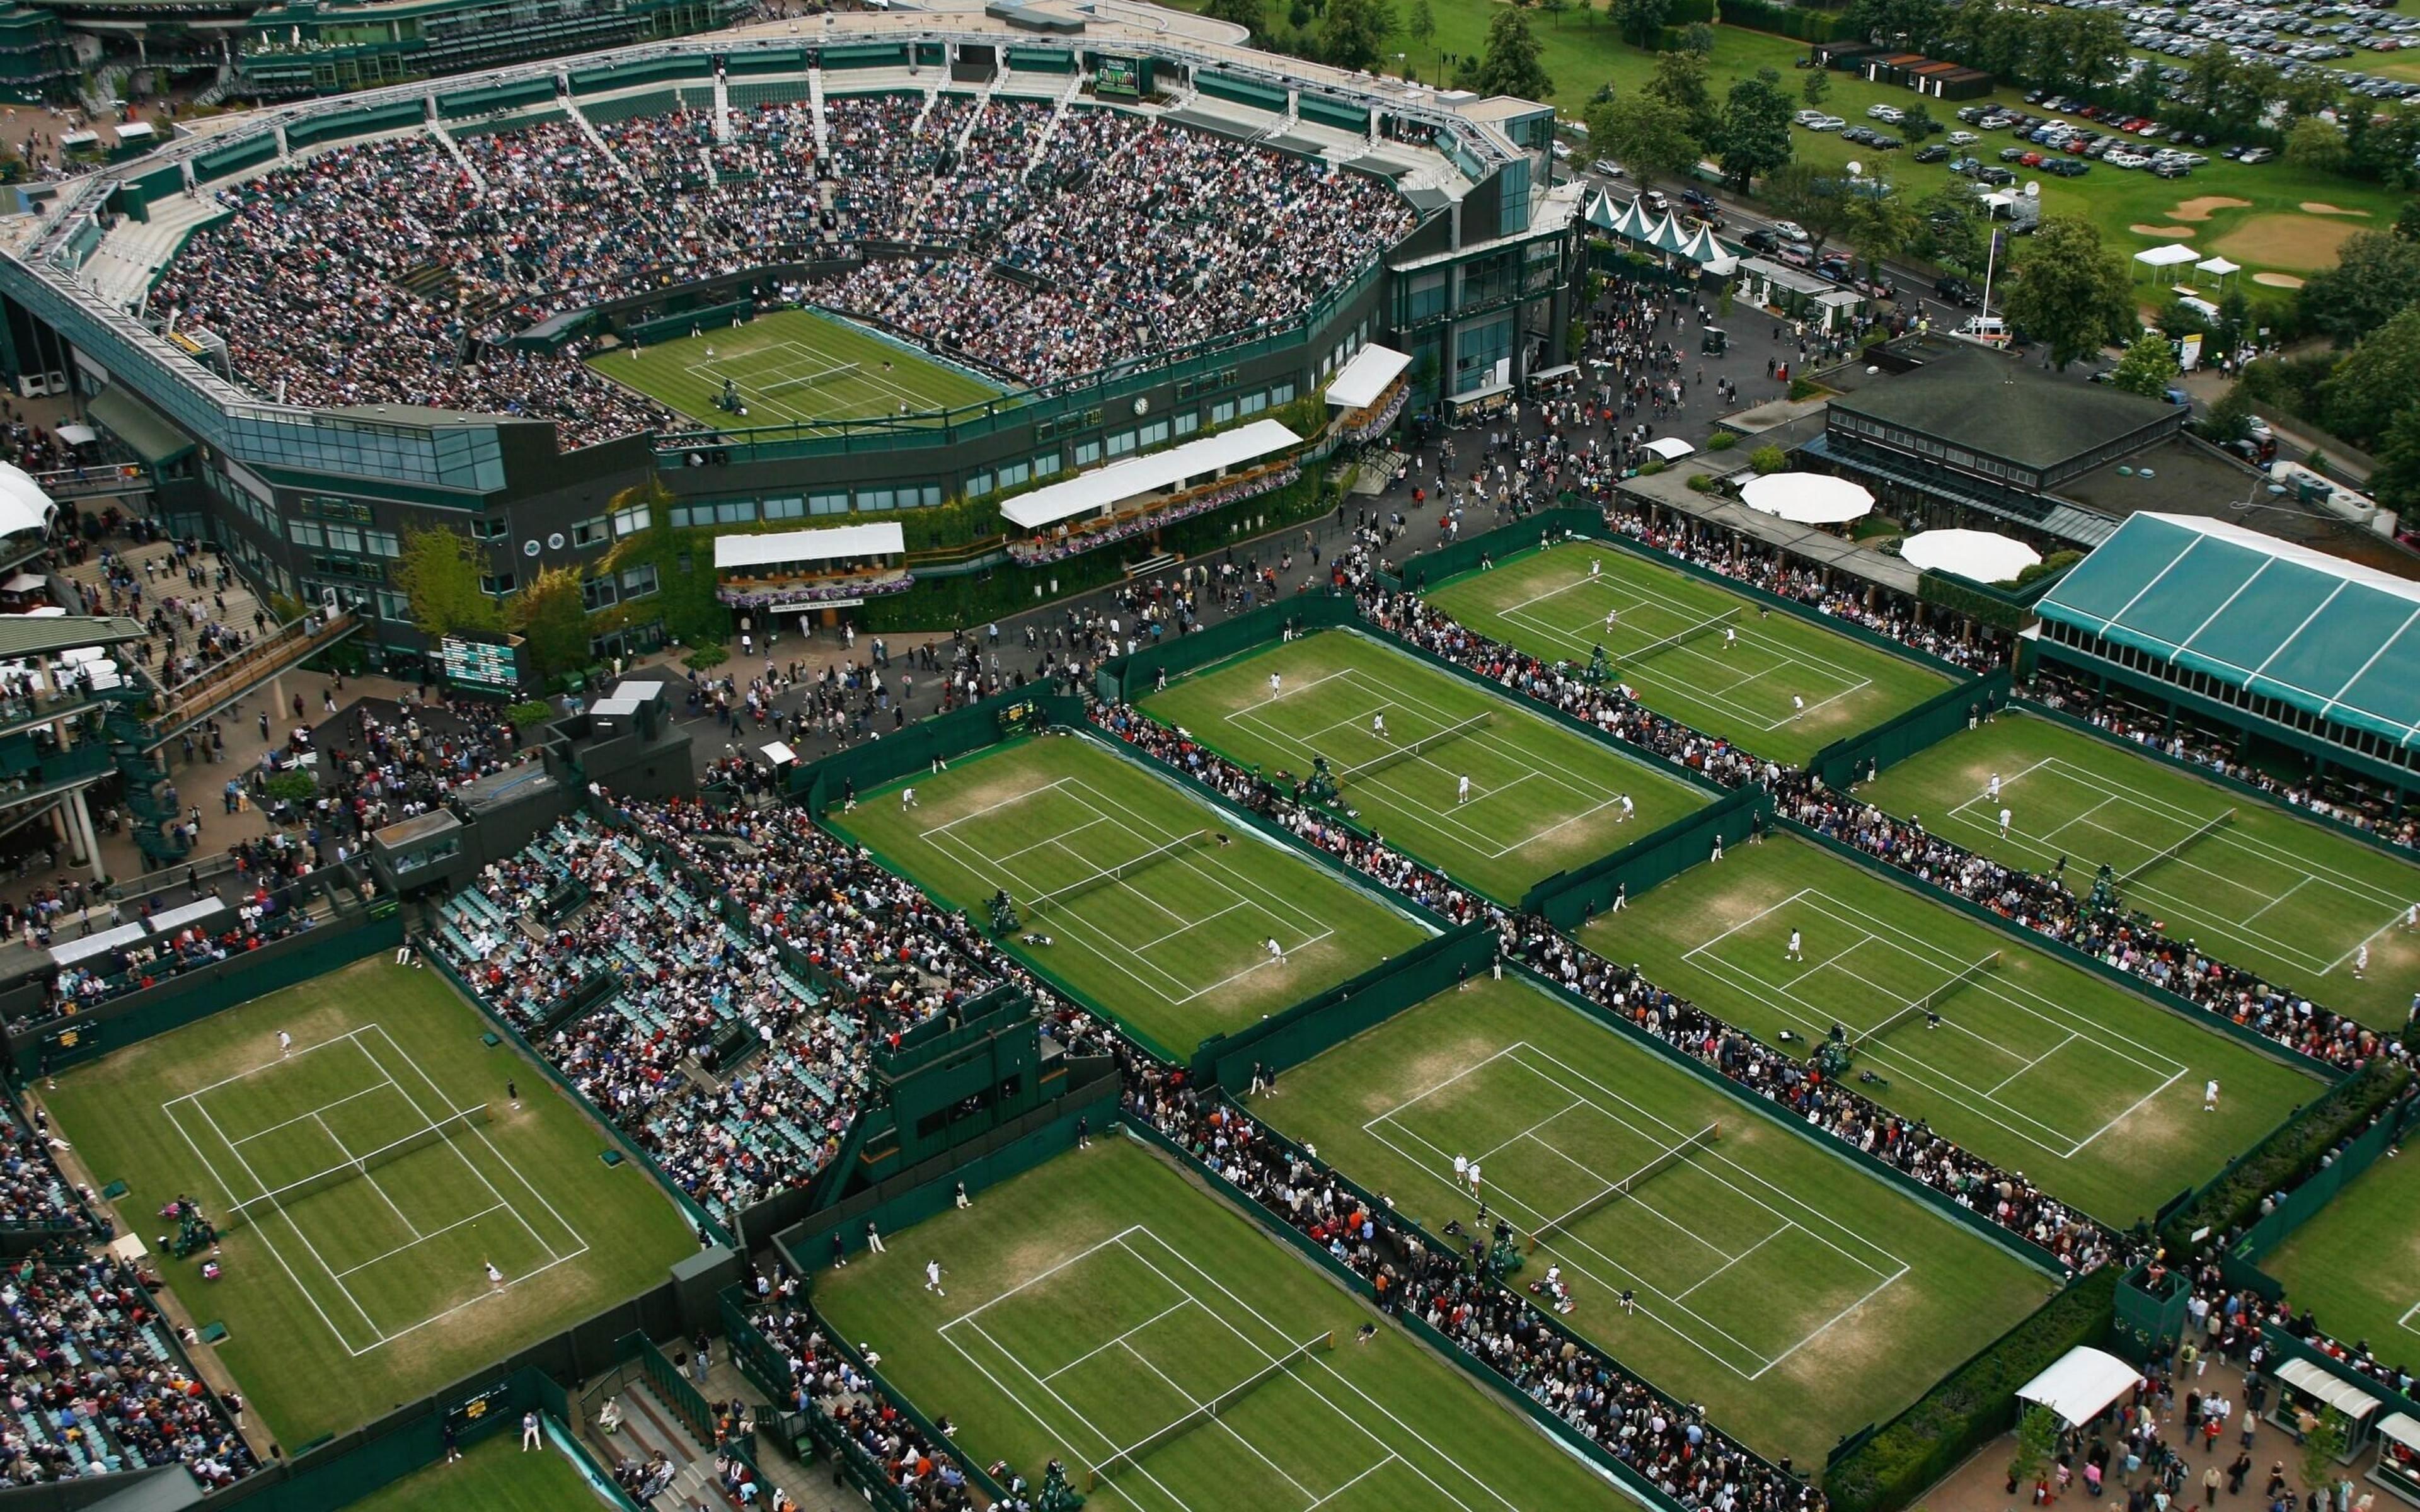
[
  {"x": 1462, "y": 790},
  {"x": 1795, "y": 953}
]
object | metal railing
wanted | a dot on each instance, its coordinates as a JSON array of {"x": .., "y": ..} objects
[{"x": 225, "y": 681}]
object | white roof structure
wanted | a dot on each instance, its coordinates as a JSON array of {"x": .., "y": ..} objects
[
  {"x": 1366, "y": 376},
  {"x": 1807, "y": 498},
  {"x": 76, "y": 435},
  {"x": 778, "y": 753},
  {"x": 2167, "y": 257},
  {"x": 2342, "y": 1395},
  {"x": 1702, "y": 247},
  {"x": 23, "y": 506},
  {"x": 840, "y": 541},
  {"x": 1985, "y": 556},
  {"x": 1670, "y": 448},
  {"x": 2079, "y": 1384},
  {"x": 1138, "y": 475},
  {"x": 2401, "y": 1428},
  {"x": 2217, "y": 267}
]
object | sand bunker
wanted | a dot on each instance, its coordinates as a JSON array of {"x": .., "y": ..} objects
[
  {"x": 2302, "y": 242},
  {"x": 2142, "y": 230},
  {"x": 2313, "y": 207},
  {"x": 2200, "y": 208},
  {"x": 2276, "y": 281}
]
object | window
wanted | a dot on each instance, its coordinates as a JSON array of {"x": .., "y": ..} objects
[
  {"x": 1047, "y": 464},
  {"x": 1087, "y": 452},
  {"x": 381, "y": 543},
  {"x": 827, "y": 503},
  {"x": 735, "y": 511},
  {"x": 1122, "y": 443},
  {"x": 306, "y": 532},
  {"x": 793, "y": 506},
  {"x": 493, "y": 528},
  {"x": 1281, "y": 393},
  {"x": 1014, "y": 474},
  {"x": 599, "y": 593},
  {"x": 630, "y": 521},
  {"x": 1223, "y": 412},
  {"x": 1255, "y": 402},
  {"x": 589, "y": 531},
  {"x": 639, "y": 581},
  {"x": 1189, "y": 422},
  {"x": 977, "y": 485},
  {"x": 394, "y": 606},
  {"x": 498, "y": 583},
  {"x": 344, "y": 538},
  {"x": 1155, "y": 433}
]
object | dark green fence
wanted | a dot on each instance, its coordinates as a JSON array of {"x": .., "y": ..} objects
[
  {"x": 1845, "y": 763},
  {"x": 1433, "y": 569},
  {"x": 2301, "y": 1205},
  {"x": 1125, "y": 678},
  {"x": 1570, "y": 899},
  {"x": 947, "y": 735},
  {"x": 751, "y": 1353},
  {"x": 2148, "y": 1316},
  {"x": 1317, "y": 1023}
]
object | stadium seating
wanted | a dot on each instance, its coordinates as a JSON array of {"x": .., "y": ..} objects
[{"x": 1049, "y": 245}]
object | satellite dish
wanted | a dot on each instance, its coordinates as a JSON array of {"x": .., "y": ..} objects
[
  {"x": 1855, "y": 168},
  {"x": 2145, "y": 472},
  {"x": 2033, "y": 190}
]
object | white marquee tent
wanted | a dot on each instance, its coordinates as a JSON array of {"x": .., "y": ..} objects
[{"x": 1807, "y": 498}]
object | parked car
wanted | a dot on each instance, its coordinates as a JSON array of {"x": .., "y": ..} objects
[
  {"x": 1935, "y": 153},
  {"x": 1789, "y": 231},
  {"x": 1966, "y": 165},
  {"x": 1885, "y": 142},
  {"x": 1606, "y": 166},
  {"x": 2011, "y": 154},
  {"x": 1700, "y": 201},
  {"x": 1888, "y": 114},
  {"x": 2172, "y": 170},
  {"x": 1959, "y": 139},
  {"x": 1761, "y": 241},
  {"x": 1957, "y": 291},
  {"x": 1653, "y": 199},
  {"x": 2257, "y": 155},
  {"x": 1994, "y": 175}
]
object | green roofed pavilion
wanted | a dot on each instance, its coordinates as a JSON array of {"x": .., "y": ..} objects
[{"x": 2337, "y": 639}]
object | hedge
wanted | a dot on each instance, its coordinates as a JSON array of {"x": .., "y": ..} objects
[
  {"x": 1784, "y": 20},
  {"x": 1970, "y": 1407},
  {"x": 1983, "y": 608},
  {"x": 2291, "y": 1153}
]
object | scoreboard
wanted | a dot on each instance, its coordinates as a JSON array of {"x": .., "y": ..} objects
[
  {"x": 481, "y": 666},
  {"x": 1117, "y": 76}
]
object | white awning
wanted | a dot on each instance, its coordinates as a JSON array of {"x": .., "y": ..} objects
[
  {"x": 2346, "y": 1398},
  {"x": 2401, "y": 1428},
  {"x": 2167, "y": 257},
  {"x": 778, "y": 753},
  {"x": 2218, "y": 267},
  {"x": 77, "y": 435},
  {"x": 1366, "y": 376},
  {"x": 1139, "y": 475},
  {"x": 24, "y": 582},
  {"x": 173, "y": 919},
  {"x": 2081, "y": 1384},
  {"x": 1985, "y": 556},
  {"x": 1670, "y": 448},
  {"x": 68, "y": 952},
  {"x": 23, "y": 506},
  {"x": 840, "y": 542},
  {"x": 1807, "y": 498}
]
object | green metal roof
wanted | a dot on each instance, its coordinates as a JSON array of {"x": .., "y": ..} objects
[
  {"x": 26, "y": 635},
  {"x": 2331, "y": 636},
  {"x": 117, "y": 410}
]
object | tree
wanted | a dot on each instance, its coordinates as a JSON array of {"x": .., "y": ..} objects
[
  {"x": 2318, "y": 146},
  {"x": 1768, "y": 460},
  {"x": 1955, "y": 231},
  {"x": 1920, "y": 124},
  {"x": 1511, "y": 65},
  {"x": 2377, "y": 274},
  {"x": 1252, "y": 14},
  {"x": 2229, "y": 419},
  {"x": 1816, "y": 87},
  {"x": 1649, "y": 136},
  {"x": 2148, "y": 367},
  {"x": 1881, "y": 226},
  {"x": 2321, "y": 1443},
  {"x": 1804, "y": 193},
  {"x": 1555, "y": 9},
  {"x": 1419, "y": 25},
  {"x": 1697, "y": 39},
  {"x": 2068, "y": 290},
  {"x": 2037, "y": 1441},
  {"x": 439, "y": 574},
  {"x": 1915, "y": 22},
  {"x": 2375, "y": 381},
  {"x": 1754, "y": 136},
  {"x": 1354, "y": 32},
  {"x": 1680, "y": 79},
  {"x": 2407, "y": 221},
  {"x": 548, "y": 614},
  {"x": 2396, "y": 480},
  {"x": 1639, "y": 20}
]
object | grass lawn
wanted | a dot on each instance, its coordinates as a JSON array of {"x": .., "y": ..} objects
[
  {"x": 362, "y": 1283},
  {"x": 2093, "y": 1092},
  {"x": 2357, "y": 1264},
  {"x": 1542, "y": 798},
  {"x": 1175, "y": 947},
  {"x": 1103, "y": 1297},
  {"x": 2269, "y": 231},
  {"x": 1553, "y": 603},
  {"x": 793, "y": 366},
  {"x": 1796, "y": 1296},
  {"x": 2280, "y": 895},
  {"x": 495, "y": 1476}
]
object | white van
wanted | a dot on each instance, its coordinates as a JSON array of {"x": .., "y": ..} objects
[{"x": 1991, "y": 330}]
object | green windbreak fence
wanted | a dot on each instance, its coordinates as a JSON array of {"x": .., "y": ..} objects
[
  {"x": 1431, "y": 569},
  {"x": 1317, "y": 1023},
  {"x": 1844, "y": 763},
  {"x": 2303, "y": 1204},
  {"x": 1570, "y": 899},
  {"x": 1130, "y": 677},
  {"x": 669, "y": 1384},
  {"x": 2284, "y": 1346},
  {"x": 751, "y": 1353},
  {"x": 946, "y": 735},
  {"x": 2149, "y": 1319}
]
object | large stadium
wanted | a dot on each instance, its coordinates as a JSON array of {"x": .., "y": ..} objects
[
  {"x": 1619, "y": 1005},
  {"x": 867, "y": 274}
]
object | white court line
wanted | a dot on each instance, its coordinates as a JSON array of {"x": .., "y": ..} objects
[
  {"x": 417, "y": 1240},
  {"x": 355, "y": 1162},
  {"x": 300, "y": 1117},
  {"x": 1053, "y": 1375}
]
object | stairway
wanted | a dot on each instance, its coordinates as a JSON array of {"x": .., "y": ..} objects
[
  {"x": 649, "y": 1427},
  {"x": 148, "y": 809},
  {"x": 721, "y": 109},
  {"x": 596, "y": 139},
  {"x": 454, "y": 150},
  {"x": 823, "y": 123}
]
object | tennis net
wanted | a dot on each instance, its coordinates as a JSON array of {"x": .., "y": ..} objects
[
  {"x": 1927, "y": 1005},
  {"x": 1123, "y": 1459},
  {"x": 453, "y": 1125},
  {"x": 1062, "y": 897},
  {"x": 1695, "y": 632},
  {"x": 809, "y": 381},
  {"x": 1411, "y": 750},
  {"x": 1628, "y": 1184},
  {"x": 2170, "y": 852}
]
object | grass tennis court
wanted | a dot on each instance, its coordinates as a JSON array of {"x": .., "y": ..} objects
[
  {"x": 792, "y": 365},
  {"x": 2356, "y": 1264},
  {"x": 358, "y": 1280},
  {"x": 2259, "y": 888},
  {"x": 1174, "y": 900},
  {"x": 2041, "y": 1067},
  {"x": 1795, "y": 1295},
  {"x": 1553, "y": 603},
  {"x": 1073, "y": 1329},
  {"x": 1542, "y": 798},
  {"x": 495, "y": 1476}
]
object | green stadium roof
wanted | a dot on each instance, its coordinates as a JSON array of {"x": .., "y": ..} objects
[{"x": 2334, "y": 637}]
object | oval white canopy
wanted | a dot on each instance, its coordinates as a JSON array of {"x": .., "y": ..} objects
[
  {"x": 1807, "y": 498},
  {"x": 1984, "y": 556}
]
